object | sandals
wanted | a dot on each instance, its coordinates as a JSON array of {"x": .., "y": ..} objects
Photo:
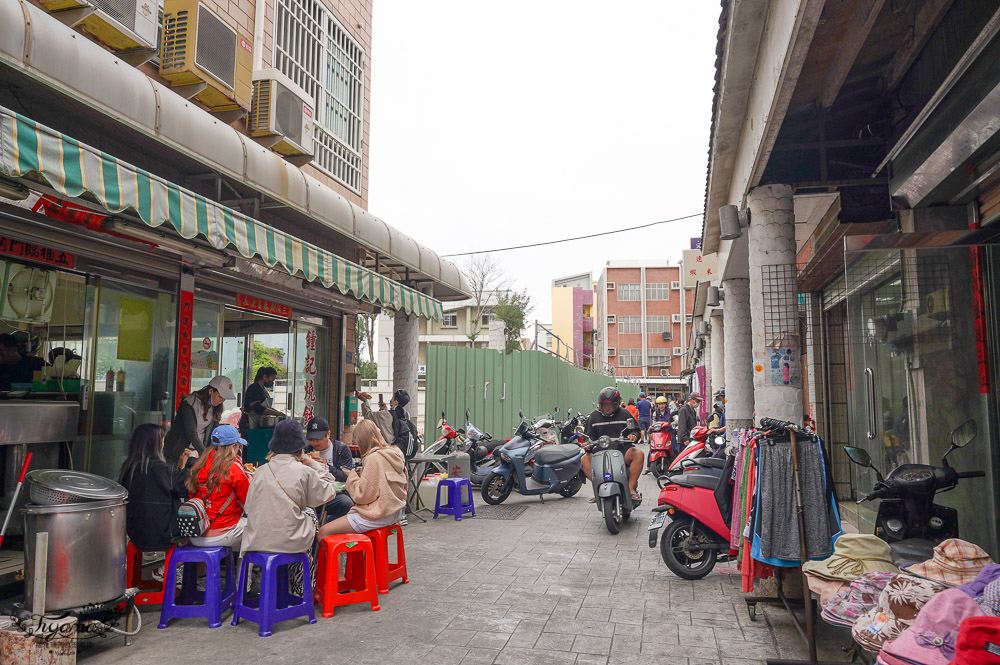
[{"x": 636, "y": 496}]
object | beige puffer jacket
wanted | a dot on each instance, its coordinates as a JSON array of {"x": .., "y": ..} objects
[{"x": 380, "y": 489}]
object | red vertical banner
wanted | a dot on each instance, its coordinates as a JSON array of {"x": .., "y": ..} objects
[
  {"x": 185, "y": 319},
  {"x": 979, "y": 316}
]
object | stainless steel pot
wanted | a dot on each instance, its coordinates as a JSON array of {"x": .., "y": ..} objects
[
  {"x": 86, "y": 552},
  {"x": 268, "y": 422}
]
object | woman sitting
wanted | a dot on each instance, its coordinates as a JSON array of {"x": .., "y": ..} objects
[
  {"x": 156, "y": 490},
  {"x": 220, "y": 481},
  {"x": 378, "y": 491},
  {"x": 279, "y": 516}
]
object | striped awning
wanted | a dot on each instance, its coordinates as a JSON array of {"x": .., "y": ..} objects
[{"x": 72, "y": 168}]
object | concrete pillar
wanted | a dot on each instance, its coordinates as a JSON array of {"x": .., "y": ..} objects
[
  {"x": 774, "y": 306},
  {"x": 405, "y": 346},
  {"x": 814, "y": 369},
  {"x": 738, "y": 357},
  {"x": 717, "y": 358}
]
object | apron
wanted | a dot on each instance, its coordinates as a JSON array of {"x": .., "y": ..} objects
[{"x": 253, "y": 419}]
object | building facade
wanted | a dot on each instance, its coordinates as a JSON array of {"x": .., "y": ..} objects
[
  {"x": 183, "y": 193},
  {"x": 641, "y": 323},
  {"x": 572, "y": 328}
]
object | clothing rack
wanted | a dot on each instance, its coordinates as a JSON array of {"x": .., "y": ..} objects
[{"x": 808, "y": 632}]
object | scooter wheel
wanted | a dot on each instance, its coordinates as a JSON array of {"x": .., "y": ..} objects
[
  {"x": 496, "y": 488},
  {"x": 573, "y": 486},
  {"x": 676, "y": 550},
  {"x": 612, "y": 507},
  {"x": 659, "y": 467}
]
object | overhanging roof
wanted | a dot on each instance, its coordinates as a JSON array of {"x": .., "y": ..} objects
[
  {"x": 28, "y": 149},
  {"x": 69, "y": 64}
]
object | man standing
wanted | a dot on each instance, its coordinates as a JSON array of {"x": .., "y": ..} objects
[
  {"x": 687, "y": 418},
  {"x": 382, "y": 418},
  {"x": 404, "y": 432},
  {"x": 337, "y": 457},
  {"x": 645, "y": 408}
]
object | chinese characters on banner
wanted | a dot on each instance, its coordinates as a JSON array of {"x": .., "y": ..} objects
[
  {"x": 26, "y": 250},
  {"x": 697, "y": 268},
  {"x": 309, "y": 377},
  {"x": 263, "y": 306}
]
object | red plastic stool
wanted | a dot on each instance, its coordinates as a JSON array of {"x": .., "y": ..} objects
[
  {"x": 359, "y": 575},
  {"x": 150, "y": 591},
  {"x": 386, "y": 572}
]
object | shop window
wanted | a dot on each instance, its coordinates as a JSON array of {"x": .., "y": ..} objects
[{"x": 205, "y": 354}]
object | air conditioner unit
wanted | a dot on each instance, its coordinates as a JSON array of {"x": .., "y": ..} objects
[
  {"x": 675, "y": 318},
  {"x": 203, "y": 56},
  {"x": 664, "y": 372},
  {"x": 611, "y": 319},
  {"x": 675, "y": 285},
  {"x": 124, "y": 25},
  {"x": 28, "y": 293},
  {"x": 666, "y": 337},
  {"x": 281, "y": 115},
  {"x": 611, "y": 352},
  {"x": 611, "y": 286},
  {"x": 677, "y": 351}
]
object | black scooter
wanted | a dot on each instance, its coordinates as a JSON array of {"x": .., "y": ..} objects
[{"x": 908, "y": 519}]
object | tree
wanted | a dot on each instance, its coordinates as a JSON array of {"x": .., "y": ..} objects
[
  {"x": 513, "y": 308},
  {"x": 269, "y": 356},
  {"x": 485, "y": 277},
  {"x": 364, "y": 339}
]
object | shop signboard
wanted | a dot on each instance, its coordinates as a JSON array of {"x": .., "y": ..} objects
[
  {"x": 309, "y": 375},
  {"x": 263, "y": 306},
  {"x": 698, "y": 268},
  {"x": 36, "y": 253}
]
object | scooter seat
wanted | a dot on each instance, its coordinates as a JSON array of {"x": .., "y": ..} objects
[
  {"x": 555, "y": 454},
  {"x": 710, "y": 462},
  {"x": 911, "y": 550},
  {"x": 707, "y": 481}
]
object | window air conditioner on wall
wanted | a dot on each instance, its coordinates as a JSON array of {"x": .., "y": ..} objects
[
  {"x": 281, "y": 116},
  {"x": 675, "y": 318},
  {"x": 203, "y": 56},
  {"x": 611, "y": 319},
  {"x": 666, "y": 336},
  {"x": 611, "y": 353},
  {"x": 664, "y": 372},
  {"x": 677, "y": 350},
  {"x": 675, "y": 285},
  {"x": 124, "y": 25},
  {"x": 611, "y": 286}
]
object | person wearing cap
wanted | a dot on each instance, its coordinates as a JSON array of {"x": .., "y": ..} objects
[
  {"x": 717, "y": 419},
  {"x": 197, "y": 416},
  {"x": 687, "y": 419},
  {"x": 382, "y": 417},
  {"x": 337, "y": 457},
  {"x": 257, "y": 399},
  {"x": 220, "y": 480},
  {"x": 645, "y": 410},
  {"x": 402, "y": 434},
  {"x": 282, "y": 496}
]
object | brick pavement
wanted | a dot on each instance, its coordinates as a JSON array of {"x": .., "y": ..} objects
[{"x": 552, "y": 587}]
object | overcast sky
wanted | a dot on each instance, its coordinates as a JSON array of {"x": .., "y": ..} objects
[{"x": 504, "y": 123}]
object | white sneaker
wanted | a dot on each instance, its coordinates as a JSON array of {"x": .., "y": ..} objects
[{"x": 402, "y": 521}]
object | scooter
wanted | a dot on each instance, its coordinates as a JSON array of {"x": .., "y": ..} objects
[
  {"x": 907, "y": 518},
  {"x": 609, "y": 474},
  {"x": 696, "y": 455},
  {"x": 448, "y": 442},
  {"x": 697, "y": 537},
  {"x": 661, "y": 452},
  {"x": 554, "y": 468}
]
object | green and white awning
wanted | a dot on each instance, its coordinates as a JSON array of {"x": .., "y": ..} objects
[{"x": 72, "y": 168}]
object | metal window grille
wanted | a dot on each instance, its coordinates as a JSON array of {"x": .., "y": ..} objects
[
  {"x": 629, "y": 325},
  {"x": 314, "y": 50},
  {"x": 629, "y": 292},
  {"x": 657, "y": 291},
  {"x": 630, "y": 357},
  {"x": 657, "y": 324}
]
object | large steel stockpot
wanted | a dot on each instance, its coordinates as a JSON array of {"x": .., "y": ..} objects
[{"x": 86, "y": 553}]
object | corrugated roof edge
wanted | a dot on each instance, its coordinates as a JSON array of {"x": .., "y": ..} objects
[
  {"x": 53, "y": 53},
  {"x": 720, "y": 51}
]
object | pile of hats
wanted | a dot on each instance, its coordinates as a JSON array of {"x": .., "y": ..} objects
[{"x": 943, "y": 611}]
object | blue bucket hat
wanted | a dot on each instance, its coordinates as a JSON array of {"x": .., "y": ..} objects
[{"x": 225, "y": 435}]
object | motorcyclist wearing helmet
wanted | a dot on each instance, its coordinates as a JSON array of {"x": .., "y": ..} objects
[
  {"x": 662, "y": 413},
  {"x": 611, "y": 419}
]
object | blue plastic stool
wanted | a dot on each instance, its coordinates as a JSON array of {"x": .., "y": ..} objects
[
  {"x": 210, "y": 603},
  {"x": 275, "y": 603},
  {"x": 455, "y": 505}
]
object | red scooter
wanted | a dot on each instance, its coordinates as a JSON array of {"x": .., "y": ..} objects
[
  {"x": 661, "y": 448},
  {"x": 697, "y": 537}
]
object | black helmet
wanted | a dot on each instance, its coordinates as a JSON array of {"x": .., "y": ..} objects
[{"x": 609, "y": 395}]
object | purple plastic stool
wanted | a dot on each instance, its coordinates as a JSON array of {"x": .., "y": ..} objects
[
  {"x": 455, "y": 506},
  {"x": 275, "y": 603},
  {"x": 210, "y": 603}
]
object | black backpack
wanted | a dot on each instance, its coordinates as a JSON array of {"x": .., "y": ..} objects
[{"x": 411, "y": 445}]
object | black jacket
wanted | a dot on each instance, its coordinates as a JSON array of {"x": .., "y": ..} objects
[
  {"x": 154, "y": 495},
  {"x": 687, "y": 418},
  {"x": 599, "y": 425},
  {"x": 183, "y": 433},
  {"x": 342, "y": 462}
]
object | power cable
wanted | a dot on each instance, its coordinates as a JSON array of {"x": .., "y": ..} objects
[{"x": 556, "y": 242}]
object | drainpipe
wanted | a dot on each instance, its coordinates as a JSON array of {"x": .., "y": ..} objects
[{"x": 258, "y": 35}]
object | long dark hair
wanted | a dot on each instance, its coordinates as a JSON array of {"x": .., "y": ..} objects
[
  {"x": 205, "y": 397},
  {"x": 264, "y": 371},
  {"x": 146, "y": 446}
]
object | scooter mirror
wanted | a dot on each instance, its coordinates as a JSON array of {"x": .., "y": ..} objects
[
  {"x": 468, "y": 415},
  {"x": 442, "y": 415},
  {"x": 859, "y": 456},
  {"x": 963, "y": 435},
  {"x": 556, "y": 410},
  {"x": 520, "y": 413}
]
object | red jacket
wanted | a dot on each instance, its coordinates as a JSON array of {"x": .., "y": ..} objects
[
  {"x": 631, "y": 408},
  {"x": 236, "y": 481}
]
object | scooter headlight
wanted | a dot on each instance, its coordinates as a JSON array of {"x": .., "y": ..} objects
[{"x": 607, "y": 476}]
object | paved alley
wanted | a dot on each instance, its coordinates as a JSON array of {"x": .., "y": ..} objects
[{"x": 551, "y": 587}]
